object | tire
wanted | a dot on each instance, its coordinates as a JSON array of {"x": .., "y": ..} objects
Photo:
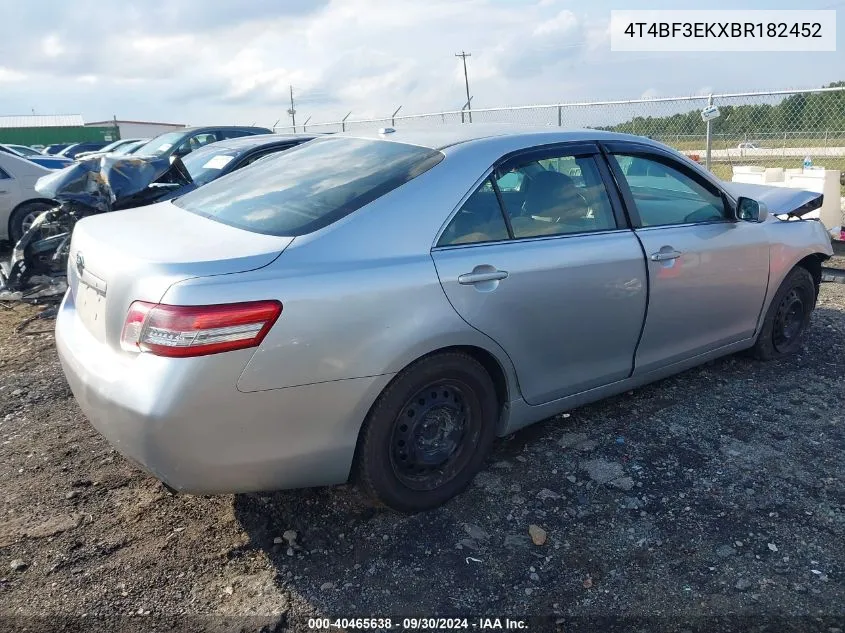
[
  {"x": 22, "y": 217},
  {"x": 428, "y": 433},
  {"x": 788, "y": 316}
]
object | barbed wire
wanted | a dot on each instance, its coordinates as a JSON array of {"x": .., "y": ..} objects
[{"x": 776, "y": 128}]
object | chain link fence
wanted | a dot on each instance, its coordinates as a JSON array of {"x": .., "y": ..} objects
[{"x": 772, "y": 129}]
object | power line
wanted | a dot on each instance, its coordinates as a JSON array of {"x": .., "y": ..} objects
[{"x": 464, "y": 56}]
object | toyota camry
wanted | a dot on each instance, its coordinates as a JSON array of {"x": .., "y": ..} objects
[{"x": 379, "y": 307}]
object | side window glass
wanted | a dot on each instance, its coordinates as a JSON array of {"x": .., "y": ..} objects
[
  {"x": 184, "y": 149},
  {"x": 194, "y": 143},
  {"x": 4, "y": 175},
  {"x": 558, "y": 196},
  {"x": 665, "y": 195},
  {"x": 198, "y": 140},
  {"x": 479, "y": 220},
  {"x": 565, "y": 165},
  {"x": 224, "y": 134},
  {"x": 510, "y": 181}
]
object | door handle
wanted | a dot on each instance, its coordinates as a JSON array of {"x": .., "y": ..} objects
[
  {"x": 477, "y": 278},
  {"x": 663, "y": 256}
]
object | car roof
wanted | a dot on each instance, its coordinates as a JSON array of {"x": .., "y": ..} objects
[
  {"x": 246, "y": 143},
  {"x": 442, "y": 136},
  {"x": 212, "y": 128}
]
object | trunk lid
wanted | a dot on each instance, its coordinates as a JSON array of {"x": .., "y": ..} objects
[
  {"x": 780, "y": 200},
  {"x": 137, "y": 254}
]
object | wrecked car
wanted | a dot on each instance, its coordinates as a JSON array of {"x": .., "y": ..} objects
[
  {"x": 85, "y": 188},
  {"x": 378, "y": 307},
  {"x": 108, "y": 183}
]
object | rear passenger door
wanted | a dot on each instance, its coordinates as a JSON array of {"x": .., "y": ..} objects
[{"x": 539, "y": 258}]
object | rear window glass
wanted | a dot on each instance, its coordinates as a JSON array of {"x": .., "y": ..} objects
[{"x": 310, "y": 186}]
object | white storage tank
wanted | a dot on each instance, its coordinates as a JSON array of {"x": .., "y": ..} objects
[{"x": 818, "y": 179}]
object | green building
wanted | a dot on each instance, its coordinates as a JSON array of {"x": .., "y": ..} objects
[{"x": 38, "y": 129}]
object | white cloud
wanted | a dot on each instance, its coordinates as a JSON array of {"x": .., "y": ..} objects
[
  {"x": 8, "y": 75},
  {"x": 203, "y": 62},
  {"x": 52, "y": 46}
]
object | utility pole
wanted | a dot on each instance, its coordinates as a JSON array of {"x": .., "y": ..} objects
[
  {"x": 292, "y": 111},
  {"x": 464, "y": 56}
]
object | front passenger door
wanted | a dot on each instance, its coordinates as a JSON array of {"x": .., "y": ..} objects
[{"x": 708, "y": 272}]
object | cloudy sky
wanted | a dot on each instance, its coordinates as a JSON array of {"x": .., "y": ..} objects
[{"x": 214, "y": 61}]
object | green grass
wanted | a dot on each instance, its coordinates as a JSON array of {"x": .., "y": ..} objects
[{"x": 699, "y": 143}]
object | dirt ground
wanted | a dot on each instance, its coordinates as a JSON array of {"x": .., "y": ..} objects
[{"x": 726, "y": 511}]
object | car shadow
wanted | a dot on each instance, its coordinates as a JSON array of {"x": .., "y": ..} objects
[{"x": 474, "y": 554}]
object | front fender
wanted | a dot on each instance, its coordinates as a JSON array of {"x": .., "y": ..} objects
[{"x": 790, "y": 243}]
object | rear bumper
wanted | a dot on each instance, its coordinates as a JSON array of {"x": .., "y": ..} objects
[{"x": 185, "y": 422}]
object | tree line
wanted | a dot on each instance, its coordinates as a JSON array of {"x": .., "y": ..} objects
[{"x": 800, "y": 112}]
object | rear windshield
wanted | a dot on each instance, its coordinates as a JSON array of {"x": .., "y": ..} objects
[{"x": 310, "y": 186}]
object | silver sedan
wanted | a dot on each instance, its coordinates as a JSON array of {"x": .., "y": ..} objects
[{"x": 379, "y": 307}]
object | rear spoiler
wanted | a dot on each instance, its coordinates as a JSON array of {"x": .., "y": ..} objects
[{"x": 779, "y": 200}]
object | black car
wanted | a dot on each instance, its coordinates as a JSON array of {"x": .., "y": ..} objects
[
  {"x": 182, "y": 142},
  {"x": 221, "y": 158},
  {"x": 77, "y": 148}
]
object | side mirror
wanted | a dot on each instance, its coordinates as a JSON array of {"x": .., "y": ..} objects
[{"x": 750, "y": 210}]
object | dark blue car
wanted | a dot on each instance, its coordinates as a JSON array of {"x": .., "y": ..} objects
[
  {"x": 218, "y": 159},
  {"x": 55, "y": 148}
]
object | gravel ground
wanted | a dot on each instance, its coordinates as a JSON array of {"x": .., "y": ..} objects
[{"x": 715, "y": 497}]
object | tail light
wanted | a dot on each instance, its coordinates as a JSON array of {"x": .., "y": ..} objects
[{"x": 180, "y": 331}]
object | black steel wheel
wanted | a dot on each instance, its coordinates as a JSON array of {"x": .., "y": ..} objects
[
  {"x": 428, "y": 447},
  {"x": 788, "y": 316},
  {"x": 789, "y": 320},
  {"x": 428, "y": 433}
]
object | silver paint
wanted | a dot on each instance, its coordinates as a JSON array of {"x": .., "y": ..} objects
[{"x": 365, "y": 297}]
